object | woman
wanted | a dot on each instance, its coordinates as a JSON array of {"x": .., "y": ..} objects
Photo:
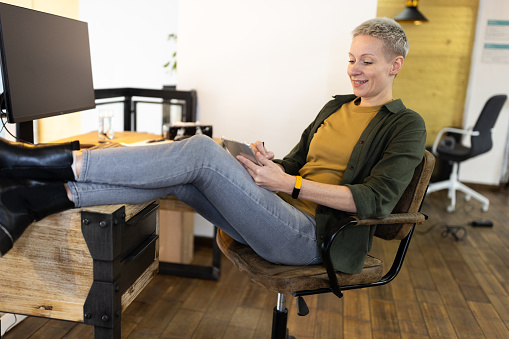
[{"x": 357, "y": 156}]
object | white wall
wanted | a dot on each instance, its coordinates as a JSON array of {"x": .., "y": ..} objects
[
  {"x": 129, "y": 46},
  {"x": 263, "y": 69},
  {"x": 487, "y": 78}
]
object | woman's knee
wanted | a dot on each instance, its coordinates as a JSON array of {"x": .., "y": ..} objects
[
  {"x": 203, "y": 139},
  {"x": 203, "y": 144}
]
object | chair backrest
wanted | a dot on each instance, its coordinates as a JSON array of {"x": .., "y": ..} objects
[
  {"x": 486, "y": 121},
  {"x": 410, "y": 201}
]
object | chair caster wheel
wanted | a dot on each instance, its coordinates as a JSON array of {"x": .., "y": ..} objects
[
  {"x": 450, "y": 209},
  {"x": 484, "y": 208},
  {"x": 467, "y": 197}
]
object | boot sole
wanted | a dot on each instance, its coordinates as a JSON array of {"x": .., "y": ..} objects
[{"x": 6, "y": 241}]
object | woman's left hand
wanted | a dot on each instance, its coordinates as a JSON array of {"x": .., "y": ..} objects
[{"x": 270, "y": 176}]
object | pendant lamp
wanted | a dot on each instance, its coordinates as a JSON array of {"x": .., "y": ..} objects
[{"x": 411, "y": 14}]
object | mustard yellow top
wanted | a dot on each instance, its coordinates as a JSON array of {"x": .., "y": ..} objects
[{"x": 331, "y": 148}]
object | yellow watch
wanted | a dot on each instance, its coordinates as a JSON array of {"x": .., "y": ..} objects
[{"x": 296, "y": 189}]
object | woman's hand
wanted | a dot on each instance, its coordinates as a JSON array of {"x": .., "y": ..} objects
[
  {"x": 271, "y": 175},
  {"x": 258, "y": 146}
]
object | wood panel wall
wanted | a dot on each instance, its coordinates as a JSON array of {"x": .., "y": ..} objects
[{"x": 434, "y": 79}]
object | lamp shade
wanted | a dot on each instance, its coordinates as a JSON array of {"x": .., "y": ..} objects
[{"x": 411, "y": 14}]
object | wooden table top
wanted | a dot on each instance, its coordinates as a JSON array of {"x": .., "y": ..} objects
[{"x": 91, "y": 139}]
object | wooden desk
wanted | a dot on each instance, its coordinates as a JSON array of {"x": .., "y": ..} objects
[
  {"x": 84, "y": 265},
  {"x": 91, "y": 139}
]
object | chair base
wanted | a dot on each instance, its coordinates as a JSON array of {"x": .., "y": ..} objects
[{"x": 453, "y": 185}]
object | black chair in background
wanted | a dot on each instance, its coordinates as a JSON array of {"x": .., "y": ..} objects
[{"x": 448, "y": 147}]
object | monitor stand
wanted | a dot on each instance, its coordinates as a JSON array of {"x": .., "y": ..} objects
[{"x": 25, "y": 131}]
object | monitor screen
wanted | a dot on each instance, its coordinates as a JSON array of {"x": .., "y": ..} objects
[{"x": 45, "y": 64}]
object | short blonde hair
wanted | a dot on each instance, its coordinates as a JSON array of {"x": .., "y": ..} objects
[{"x": 389, "y": 31}]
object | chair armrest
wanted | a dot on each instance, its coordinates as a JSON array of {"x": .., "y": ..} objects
[
  {"x": 328, "y": 240},
  {"x": 399, "y": 218},
  {"x": 451, "y": 130},
  {"x": 326, "y": 247}
]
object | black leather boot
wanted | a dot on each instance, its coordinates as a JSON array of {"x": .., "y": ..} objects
[
  {"x": 25, "y": 201},
  {"x": 42, "y": 162}
]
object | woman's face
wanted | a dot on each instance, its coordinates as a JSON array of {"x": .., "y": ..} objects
[{"x": 371, "y": 74}]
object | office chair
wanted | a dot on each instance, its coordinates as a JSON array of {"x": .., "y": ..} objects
[
  {"x": 308, "y": 280},
  {"x": 451, "y": 149}
]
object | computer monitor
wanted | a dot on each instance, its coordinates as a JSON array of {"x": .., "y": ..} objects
[{"x": 45, "y": 64}]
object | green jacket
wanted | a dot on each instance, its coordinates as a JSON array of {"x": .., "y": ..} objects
[{"x": 380, "y": 167}]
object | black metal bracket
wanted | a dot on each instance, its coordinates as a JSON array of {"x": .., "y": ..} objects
[
  {"x": 104, "y": 309},
  {"x": 102, "y": 233},
  {"x": 121, "y": 252}
]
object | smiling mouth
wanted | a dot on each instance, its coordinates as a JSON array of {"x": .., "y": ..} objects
[{"x": 359, "y": 82}]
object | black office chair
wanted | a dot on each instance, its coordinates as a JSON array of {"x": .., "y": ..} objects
[
  {"x": 316, "y": 279},
  {"x": 448, "y": 146}
]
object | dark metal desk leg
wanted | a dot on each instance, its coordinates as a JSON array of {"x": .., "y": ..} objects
[
  {"x": 107, "y": 333},
  {"x": 216, "y": 256},
  {"x": 102, "y": 309},
  {"x": 116, "y": 269},
  {"x": 195, "y": 271}
]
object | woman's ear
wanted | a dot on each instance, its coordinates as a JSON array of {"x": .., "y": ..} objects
[{"x": 397, "y": 65}]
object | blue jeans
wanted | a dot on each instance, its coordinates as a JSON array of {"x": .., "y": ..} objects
[{"x": 202, "y": 174}]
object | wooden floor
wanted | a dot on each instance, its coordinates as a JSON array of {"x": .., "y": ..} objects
[{"x": 446, "y": 289}]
